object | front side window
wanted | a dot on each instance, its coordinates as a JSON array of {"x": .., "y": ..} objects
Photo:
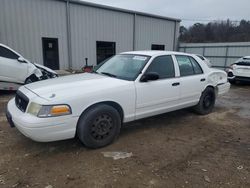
[
  {"x": 6, "y": 53},
  {"x": 124, "y": 66},
  {"x": 164, "y": 66}
]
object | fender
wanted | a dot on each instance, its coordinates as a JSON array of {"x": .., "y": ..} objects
[{"x": 32, "y": 69}]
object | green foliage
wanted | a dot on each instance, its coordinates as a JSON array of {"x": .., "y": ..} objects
[{"x": 220, "y": 31}]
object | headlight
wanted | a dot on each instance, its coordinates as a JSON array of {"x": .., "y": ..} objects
[
  {"x": 48, "y": 110},
  {"x": 34, "y": 108}
]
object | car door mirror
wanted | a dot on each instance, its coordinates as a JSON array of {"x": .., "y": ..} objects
[
  {"x": 149, "y": 76},
  {"x": 21, "y": 60}
]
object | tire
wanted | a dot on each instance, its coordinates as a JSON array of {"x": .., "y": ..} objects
[
  {"x": 31, "y": 79},
  {"x": 207, "y": 102},
  {"x": 231, "y": 81},
  {"x": 99, "y": 126}
]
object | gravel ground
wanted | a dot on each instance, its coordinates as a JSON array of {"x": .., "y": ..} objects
[{"x": 178, "y": 149}]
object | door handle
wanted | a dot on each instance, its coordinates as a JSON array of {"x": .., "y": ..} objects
[
  {"x": 203, "y": 80},
  {"x": 176, "y": 84}
]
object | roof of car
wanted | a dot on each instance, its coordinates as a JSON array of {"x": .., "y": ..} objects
[{"x": 153, "y": 52}]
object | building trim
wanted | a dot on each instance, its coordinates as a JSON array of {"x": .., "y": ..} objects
[
  {"x": 68, "y": 25},
  {"x": 134, "y": 33},
  {"x": 174, "y": 42},
  {"x": 120, "y": 10}
]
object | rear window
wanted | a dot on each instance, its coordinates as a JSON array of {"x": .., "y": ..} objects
[{"x": 201, "y": 57}]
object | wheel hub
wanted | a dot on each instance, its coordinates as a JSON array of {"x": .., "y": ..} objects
[
  {"x": 207, "y": 101},
  {"x": 102, "y": 127}
]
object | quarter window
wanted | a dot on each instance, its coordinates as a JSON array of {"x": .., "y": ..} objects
[
  {"x": 6, "y": 53},
  {"x": 188, "y": 66},
  {"x": 164, "y": 66},
  {"x": 197, "y": 68}
]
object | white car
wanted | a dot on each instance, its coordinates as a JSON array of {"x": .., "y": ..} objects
[
  {"x": 127, "y": 87},
  {"x": 206, "y": 60},
  {"x": 16, "y": 69},
  {"x": 240, "y": 70}
]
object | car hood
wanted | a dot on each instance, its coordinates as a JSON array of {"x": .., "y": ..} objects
[{"x": 73, "y": 85}]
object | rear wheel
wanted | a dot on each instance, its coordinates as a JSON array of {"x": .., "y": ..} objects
[
  {"x": 207, "y": 101},
  {"x": 99, "y": 126}
]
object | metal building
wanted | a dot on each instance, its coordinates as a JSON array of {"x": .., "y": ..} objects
[{"x": 61, "y": 33}]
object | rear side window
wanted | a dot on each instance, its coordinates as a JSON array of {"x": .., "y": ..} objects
[
  {"x": 188, "y": 65},
  {"x": 6, "y": 53},
  {"x": 164, "y": 66},
  {"x": 185, "y": 65}
]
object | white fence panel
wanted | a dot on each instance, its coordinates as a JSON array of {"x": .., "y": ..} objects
[{"x": 221, "y": 55}]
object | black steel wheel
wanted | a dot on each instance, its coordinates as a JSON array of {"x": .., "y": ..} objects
[
  {"x": 99, "y": 126},
  {"x": 102, "y": 127},
  {"x": 207, "y": 102}
]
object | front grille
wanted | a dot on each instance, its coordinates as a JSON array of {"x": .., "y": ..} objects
[{"x": 21, "y": 101}]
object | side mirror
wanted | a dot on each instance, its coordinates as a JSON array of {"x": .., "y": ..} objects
[
  {"x": 149, "y": 76},
  {"x": 21, "y": 60}
]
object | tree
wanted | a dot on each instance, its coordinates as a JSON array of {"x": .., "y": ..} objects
[{"x": 219, "y": 31}]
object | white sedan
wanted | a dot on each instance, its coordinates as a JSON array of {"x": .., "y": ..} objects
[
  {"x": 127, "y": 87},
  {"x": 16, "y": 69}
]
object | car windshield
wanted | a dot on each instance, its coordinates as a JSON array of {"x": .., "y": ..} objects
[{"x": 124, "y": 66}]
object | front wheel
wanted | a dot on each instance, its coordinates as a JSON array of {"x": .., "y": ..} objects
[
  {"x": 99, "y": 126},
  {"x": 207, "y": 102}
]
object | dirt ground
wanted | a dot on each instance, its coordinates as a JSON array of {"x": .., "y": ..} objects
[{"x": 178, "y": 149}]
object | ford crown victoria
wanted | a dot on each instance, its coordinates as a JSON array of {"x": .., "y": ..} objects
[{"x": 127, "y": 87}]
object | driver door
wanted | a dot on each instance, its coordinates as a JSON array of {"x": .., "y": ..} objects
[
  {"x": 158, "y": 96},
  {"x": 11, "y": 69}
]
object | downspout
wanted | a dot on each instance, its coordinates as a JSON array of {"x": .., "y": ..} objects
[
  {"x": 174, "y": 45},
  {"x": 68, "y": 25},
  {"x": 134, "y": 32}
]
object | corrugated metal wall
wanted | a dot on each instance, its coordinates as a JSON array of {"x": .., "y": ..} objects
[
  {"x": 221, "y": 54},
  {"x": 89, "y": 24},
  {"x": 23, "y": 23},
  {"x": 154, "y": 31}
]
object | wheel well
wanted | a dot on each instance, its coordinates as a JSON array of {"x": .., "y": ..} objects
[
  {"x": 110, "y": 103},
  {"x": 32, "y": 76},
  {"x": 214, "y": 88}
]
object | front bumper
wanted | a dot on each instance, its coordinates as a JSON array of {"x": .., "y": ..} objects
[
  {"x": 41, "y": 129},
  {"x": 223, "y": 88},
  {"x": 239, "y": 78}
]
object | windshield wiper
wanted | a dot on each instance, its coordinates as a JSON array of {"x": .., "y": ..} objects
[{"x": 109, "y": 74}]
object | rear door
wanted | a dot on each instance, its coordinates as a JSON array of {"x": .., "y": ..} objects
[
  {"x": 11, "y": 70},
  {"x": 159, "y": 96},
  {"x": 192, "y": 80}
]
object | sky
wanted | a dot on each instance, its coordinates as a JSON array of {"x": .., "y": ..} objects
[{"x": 189, "y": 11}]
